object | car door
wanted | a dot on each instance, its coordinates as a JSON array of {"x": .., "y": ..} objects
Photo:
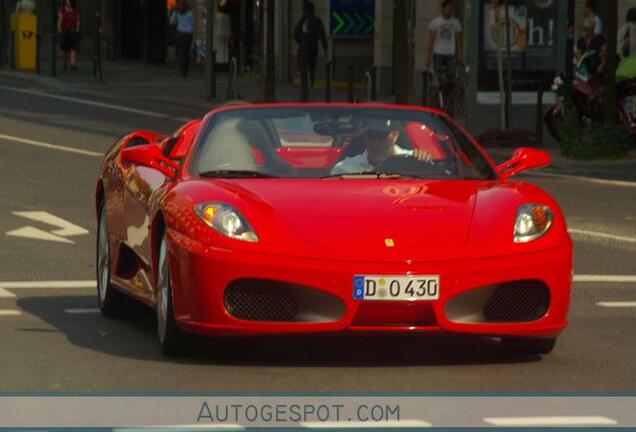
[{"x": 143, "y": 187}]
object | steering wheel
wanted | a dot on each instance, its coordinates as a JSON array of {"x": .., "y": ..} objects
[{"x": 410, "y": 165}]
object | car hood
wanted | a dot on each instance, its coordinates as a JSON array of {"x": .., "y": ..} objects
[{"x": 368, "y": 219}]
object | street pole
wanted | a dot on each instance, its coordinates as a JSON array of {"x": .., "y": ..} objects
[
  {"x": 401, "y": 43},
  {"x": 509, "y": 68},
  {"x": 4, "y": 45},
  {"x": 611, "y": 9},
  {"x": 97, "y": 55},
  {"x": 210, "y": 63},
  {"x": 569, "y": 50},
  {"x": 270, "y": 71},
  {"x": 54, "y": 38}
]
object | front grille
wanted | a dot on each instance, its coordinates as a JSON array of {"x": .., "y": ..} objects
[
  {"x": 524, "y": 301},
  {"x": 260, "y": 300}
]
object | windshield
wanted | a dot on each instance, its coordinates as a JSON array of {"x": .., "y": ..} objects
[{"x": 333, "y": 142}]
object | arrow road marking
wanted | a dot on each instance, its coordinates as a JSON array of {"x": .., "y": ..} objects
[
  {"x": 37, "y": 234},
  {"x": 67, "y": 229},
  {"x": 64, "y": 228}
]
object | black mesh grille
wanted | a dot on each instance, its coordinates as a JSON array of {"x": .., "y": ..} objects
[
  {"x": 524, "y": 301},
  {"x": 260, "y": 301},
  {"x": 137, "y": 141}
]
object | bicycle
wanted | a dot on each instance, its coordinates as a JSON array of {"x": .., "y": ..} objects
[{"x": 453, "y": 100}]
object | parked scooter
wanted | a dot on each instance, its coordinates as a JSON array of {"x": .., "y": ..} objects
[{"x": 587, "y": 97}]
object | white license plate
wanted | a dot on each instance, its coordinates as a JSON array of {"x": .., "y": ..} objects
[{"x": 396, "y": 288}]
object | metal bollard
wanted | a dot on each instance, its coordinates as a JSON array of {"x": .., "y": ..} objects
[
  {"x": 351, "y": 71},
  {"x": 212, "y": 94},
  {"x": 539, "y": 130},
  {"x": 425, "y": 77},
  {"x": 328, "y": 81},
  {"x": 374, "y": 83}
]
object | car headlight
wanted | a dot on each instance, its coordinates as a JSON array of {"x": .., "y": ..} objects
[
  {"x": 533, "y": 221},
  {"x": 226, "y": 220}
]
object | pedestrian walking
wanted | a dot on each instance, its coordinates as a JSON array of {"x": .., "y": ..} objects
[
  {"x": 626, "y": 46},
  {"x": 68, "y": 27},
  {"x": 183, "y": 18},
  {"x": 309, "y": 34},
  {"x": 591, "y": 11},
  {"x": 445, "y": 47}
]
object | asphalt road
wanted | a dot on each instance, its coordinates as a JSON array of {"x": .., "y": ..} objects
[{"x": 51, "y": 339}]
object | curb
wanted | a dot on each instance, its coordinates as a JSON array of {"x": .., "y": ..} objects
[{"x": 32, "y": 78}]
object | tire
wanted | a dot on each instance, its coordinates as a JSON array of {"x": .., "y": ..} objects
[
  {"x": 551, "y": 123},
  {"x": 112, "y": 302},
  {"x": 529, "y": 345},
  {"x": 169, "y": 334}
]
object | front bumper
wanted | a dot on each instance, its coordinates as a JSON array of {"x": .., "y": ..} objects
[{"x": 200, "y": 275}]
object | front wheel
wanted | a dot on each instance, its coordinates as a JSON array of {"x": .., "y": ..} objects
[
  {"x": 168, "y": 331},
  {"x": 529, "y": 345}
]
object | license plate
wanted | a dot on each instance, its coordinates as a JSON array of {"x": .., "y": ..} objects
[{"x": 396, "y": 288}]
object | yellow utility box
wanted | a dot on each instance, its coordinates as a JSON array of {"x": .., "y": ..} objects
[{"x": 24, "y": 27}]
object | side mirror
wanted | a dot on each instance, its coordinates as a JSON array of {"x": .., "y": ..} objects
[
  {"x": 524, "y": 159},
  {"x": 150, "y": 156}
]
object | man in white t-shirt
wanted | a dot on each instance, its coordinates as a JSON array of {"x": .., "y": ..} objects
[{"x": 445, "y": 44}]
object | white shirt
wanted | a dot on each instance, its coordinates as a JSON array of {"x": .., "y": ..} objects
[
  {"x": 627, "y": 38},
  {"x": 360, "y": 163},
  {"x": 184, "y": 22},
  {"x": 598, "y": 28},
  {"x": 446, "y": 31}
]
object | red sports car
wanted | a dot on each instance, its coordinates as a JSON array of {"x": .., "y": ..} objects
[{"x": 330, "y": 218}]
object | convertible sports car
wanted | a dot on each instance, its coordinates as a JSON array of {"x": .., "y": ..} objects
[{"x": 330, "y": 218}]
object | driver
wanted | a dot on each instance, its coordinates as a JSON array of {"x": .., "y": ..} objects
[{"x": 379, "y": 146}]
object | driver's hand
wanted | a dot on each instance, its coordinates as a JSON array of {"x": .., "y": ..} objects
[{"x": 423, "y": 155}]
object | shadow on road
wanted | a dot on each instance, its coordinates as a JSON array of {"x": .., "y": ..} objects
[{"x": 136, "y": 338}]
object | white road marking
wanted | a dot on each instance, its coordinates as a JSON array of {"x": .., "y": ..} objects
[
  {"x": 621, "y": 183},
  {"x": 623, "y": 239},
  {"x": 9, "y": 312},
  {"x": 366, "y": 425},
  {"x": 93, "y": 103},
  {"x": 6, "y": 294},
  {"x": 37, "y": 234},
  {"x": 79, "y": 311},
  {"x": 48, "y": 284},
  {"x": 617, "y": 305},
  {"x": 50, "y": 146},
  {"x": 550, "y": 421},
  {"x": 605, "y": 278},
  {"x": 66, "y": 229}
]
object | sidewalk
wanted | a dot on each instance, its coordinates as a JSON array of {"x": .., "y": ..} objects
[{"x": 135, "y": 81}]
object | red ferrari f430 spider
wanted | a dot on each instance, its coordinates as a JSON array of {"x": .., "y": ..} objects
[{"x": 330, "y": 218}]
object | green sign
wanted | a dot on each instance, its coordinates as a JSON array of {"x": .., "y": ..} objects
[{"x": 352, "y": 18}]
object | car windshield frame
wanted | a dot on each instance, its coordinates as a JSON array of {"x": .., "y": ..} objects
[{"x": 405, "y": 114}]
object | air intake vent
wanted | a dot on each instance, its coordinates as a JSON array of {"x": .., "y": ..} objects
[
  {"x": 260, "y": 300},
  {"x": 513, "y": 302}
]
